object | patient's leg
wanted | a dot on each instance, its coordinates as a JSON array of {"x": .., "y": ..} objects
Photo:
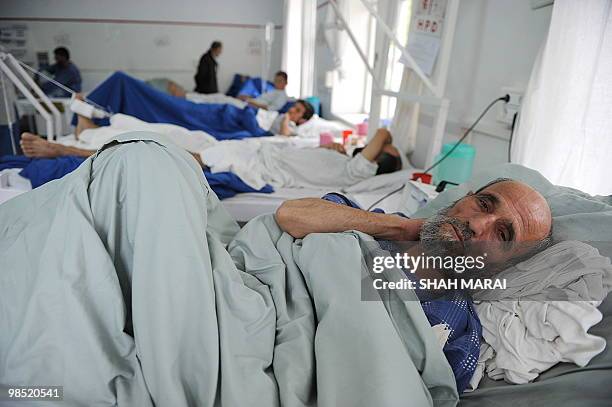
[
  {"x": 163, "y": 264},
  {"x": 36, "y": 147}
]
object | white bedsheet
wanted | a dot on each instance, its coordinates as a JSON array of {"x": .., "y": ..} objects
[
  {"x": 12, "y": 184},
  {"x": 317, "y": 125}
]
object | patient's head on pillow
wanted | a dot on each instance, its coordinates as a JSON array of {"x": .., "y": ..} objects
[
  {"x": 300, "y": 112},
  {"x": 507, "y": 219}
]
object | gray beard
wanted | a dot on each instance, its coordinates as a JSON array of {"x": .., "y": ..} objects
[{"x": 436, "y": 241}]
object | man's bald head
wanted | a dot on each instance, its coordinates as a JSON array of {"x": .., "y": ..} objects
[
  {"x": 527, "y": 205},
  {"x": 505, "y": 213}
]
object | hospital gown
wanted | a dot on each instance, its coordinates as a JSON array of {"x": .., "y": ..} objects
[{"x": 274, "y": 99}]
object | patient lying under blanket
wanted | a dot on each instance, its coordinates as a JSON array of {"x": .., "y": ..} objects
[
  {"x": 281, "y": 165},
  {"x": 285, "y": 124},
  {"x": 123, "y": 306},
  {"x": 120, "y": 93}
]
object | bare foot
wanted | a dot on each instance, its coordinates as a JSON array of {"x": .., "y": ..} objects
[
  {"x": 36, "y": 147},
  {"x": 83, "y": 123}
]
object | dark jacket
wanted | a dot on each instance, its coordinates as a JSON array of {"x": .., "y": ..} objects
[{"x": 206, "y": 77}]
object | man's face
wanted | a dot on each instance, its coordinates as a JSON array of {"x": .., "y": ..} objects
[
  {"x": 296, "y": 113},
  {"x": 504, "y": 217},
  {"x": 217, "y": 51},
  {"x": 279, "y": 82},
  {"x": 60, "y": 59}
]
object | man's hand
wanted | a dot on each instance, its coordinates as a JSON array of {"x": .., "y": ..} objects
[
  {"x": 335, "y": 146},
  {"x": 301, "y": 217},
  {"x": 385, "y": 135},
  {"x": 285, "y": 130},
  {"x": 244, "y": 98}
]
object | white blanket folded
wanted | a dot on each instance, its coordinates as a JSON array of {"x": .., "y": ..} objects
[{"x": 525, "y": 331}]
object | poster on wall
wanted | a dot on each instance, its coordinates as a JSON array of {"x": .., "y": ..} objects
[
  {"x": 13, "y": 38},
  {"x": 424, "y": 38}
]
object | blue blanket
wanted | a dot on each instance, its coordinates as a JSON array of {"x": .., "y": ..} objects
[
  {"x": 245, "y": 85},
  {"x": 42, "y": 170},
  {"x": 121, "y": 93}
]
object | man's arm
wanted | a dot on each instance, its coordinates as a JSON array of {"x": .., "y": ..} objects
[
  {"x": 301, "y": 217},
  {"x": 257, "y": 104},
  {"x": 337, "y": 147},
  {"x": 377, "y": 144}
]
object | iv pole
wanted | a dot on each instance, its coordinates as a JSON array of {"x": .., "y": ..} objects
[{"x": 268, "y": 39}]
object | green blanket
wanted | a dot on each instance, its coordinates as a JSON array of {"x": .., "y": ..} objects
[{"x": 128, "y": 284}]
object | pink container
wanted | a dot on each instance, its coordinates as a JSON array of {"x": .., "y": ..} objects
[
  {"x": 326, "y": 138},
  {"x": 362, "y": 129}
]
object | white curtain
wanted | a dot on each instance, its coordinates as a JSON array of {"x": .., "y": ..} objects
[{"x": 565, "y": 128}]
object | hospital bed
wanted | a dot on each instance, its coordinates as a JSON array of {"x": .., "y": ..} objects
[
  {"x": 389, "y": 192},
  {"x": 404, "y": 196}
]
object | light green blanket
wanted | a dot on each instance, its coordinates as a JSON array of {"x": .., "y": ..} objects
[{"x": 115, "y": 282}]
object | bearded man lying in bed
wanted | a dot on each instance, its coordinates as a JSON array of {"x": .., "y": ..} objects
[{"x": 139, "y": 208}]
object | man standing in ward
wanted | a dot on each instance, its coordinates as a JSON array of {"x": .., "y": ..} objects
[{"x": 206, "y": 76}]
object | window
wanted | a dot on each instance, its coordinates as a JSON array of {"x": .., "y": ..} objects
[
  {"x": 395, "y": 69},
  {"x": 352, "y": 88},
  {"x": 350, "y": 94}
]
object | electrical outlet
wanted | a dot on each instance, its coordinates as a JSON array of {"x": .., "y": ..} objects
[{"x": 508, "y": 110}]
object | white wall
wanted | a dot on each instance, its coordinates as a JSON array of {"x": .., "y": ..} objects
[
  {"x": 150, "y": 38},
  {"x": 496, "y": 43}
]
